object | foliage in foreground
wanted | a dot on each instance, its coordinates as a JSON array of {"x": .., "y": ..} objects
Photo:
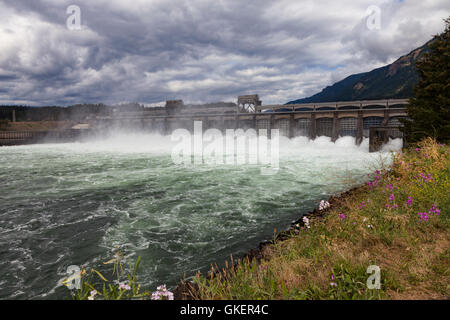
[
  {"x": 95, "y": 286},
  {"x": 399, "y": 221}
]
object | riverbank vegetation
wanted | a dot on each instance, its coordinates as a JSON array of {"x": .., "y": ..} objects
[
  {"x": 399, "y": 222},
  {"x": 123, "y": 283}
]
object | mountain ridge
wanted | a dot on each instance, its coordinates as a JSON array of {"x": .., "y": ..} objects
[{"x": 392, "y": 81}]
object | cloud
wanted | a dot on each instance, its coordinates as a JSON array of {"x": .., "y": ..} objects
[{"x": 198, "y": 50}]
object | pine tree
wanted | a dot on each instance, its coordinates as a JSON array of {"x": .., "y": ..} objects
[{"x": 429, "y": 110}]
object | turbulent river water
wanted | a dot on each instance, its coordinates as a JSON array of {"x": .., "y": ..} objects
[{"x": 72, "y": 204}]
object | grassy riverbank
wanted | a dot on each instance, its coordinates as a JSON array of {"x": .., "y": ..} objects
[
  {"x": 398, "y": 222},
  {"x": 37, "y": 126}
]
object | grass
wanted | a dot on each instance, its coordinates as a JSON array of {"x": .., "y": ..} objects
[
  {"x": 36, "y": 125},
  {"x": 122, "y": 285},
  {"x": 376, "y": 224},
  {"x": 95, "y": 286}
]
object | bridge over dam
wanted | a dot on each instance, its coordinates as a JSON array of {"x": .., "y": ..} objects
[{"x": 331, "y": 119}]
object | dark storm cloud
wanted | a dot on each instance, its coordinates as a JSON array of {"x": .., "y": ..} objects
[{"x": 150, "y": 51}]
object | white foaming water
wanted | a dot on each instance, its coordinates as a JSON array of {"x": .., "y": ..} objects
[{"x": 160, "y": 144}]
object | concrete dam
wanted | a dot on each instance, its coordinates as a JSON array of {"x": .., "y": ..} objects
[{"x": 331, "y": 119}]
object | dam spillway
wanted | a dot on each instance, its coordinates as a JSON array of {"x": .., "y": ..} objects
[{"x": 329, "y": 119}]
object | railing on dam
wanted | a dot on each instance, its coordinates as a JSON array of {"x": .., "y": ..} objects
[
  {"x": 330, "y": 106},
  {"x": 28, "y": 137},
  {"x": 13, "y": 135}
]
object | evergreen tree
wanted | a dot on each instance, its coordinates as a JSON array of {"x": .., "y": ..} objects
[{"x": 429, "y": 110}]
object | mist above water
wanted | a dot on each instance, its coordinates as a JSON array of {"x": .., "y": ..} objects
[
  {"x": 137, "y": 142},
  {"x": 71, "y": 204}
]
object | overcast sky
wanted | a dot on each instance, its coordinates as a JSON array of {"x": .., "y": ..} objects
[{"x": 149, "y": 51}]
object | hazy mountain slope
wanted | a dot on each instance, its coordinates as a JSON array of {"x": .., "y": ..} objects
[{"x": 394, "y": 81}]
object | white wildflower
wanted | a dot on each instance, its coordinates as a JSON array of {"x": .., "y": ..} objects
[
  {"x": 324, "y": 205},
  {"x": 93, "y": 294},
  {"x": 306, "y": 222}
]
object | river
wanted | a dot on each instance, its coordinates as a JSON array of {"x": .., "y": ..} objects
[{"x": 73, "y": 203}]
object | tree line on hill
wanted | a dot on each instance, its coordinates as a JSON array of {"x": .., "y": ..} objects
[{"x": 78, "y": 112}]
